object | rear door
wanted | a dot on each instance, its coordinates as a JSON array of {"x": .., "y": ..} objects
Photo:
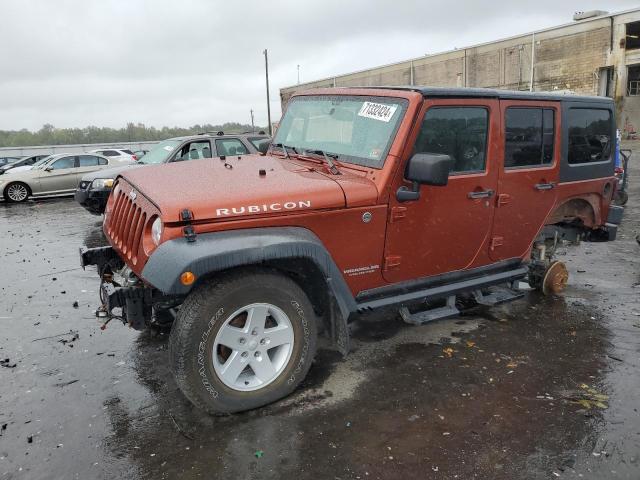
[
  {"x": 90, "y": 163},
  {"x": 528, "y": 177},
  {"x": 448, "y": 228}
]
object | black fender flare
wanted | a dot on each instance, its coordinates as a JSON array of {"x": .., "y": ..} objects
[{"x": 219, "y": 251}]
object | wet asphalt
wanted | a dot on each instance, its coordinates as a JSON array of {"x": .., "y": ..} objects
[{"x": 544, "y": 387}]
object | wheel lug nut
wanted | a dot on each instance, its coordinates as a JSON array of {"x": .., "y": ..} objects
[
  {"x": 245, "y": 354},
  {"x": 257, "y": 354},
  {"x": 242, "y": 341},
  {"x": 263, "y": 341},
  {"x": 254, "y": 332}
]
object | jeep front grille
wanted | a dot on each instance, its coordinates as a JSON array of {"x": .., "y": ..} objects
[{"x": 126, "y": 221}]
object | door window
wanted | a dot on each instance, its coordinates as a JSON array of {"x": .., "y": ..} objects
[
  {"x": 460, "y": 132},
  {"x": 194, "y": 151},
  {"x": 589, "y": 135},
  {"x": 230, "y": 146},
  {"x": 62, "y": 163},
  {"x": 89, "y": 161},
  {"x": 529, "y": 137}
]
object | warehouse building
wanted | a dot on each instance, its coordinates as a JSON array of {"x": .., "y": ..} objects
[{"x": 596, "y": 54}]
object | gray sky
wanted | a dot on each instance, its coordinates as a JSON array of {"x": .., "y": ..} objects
[{"x": 74, "y": 63}]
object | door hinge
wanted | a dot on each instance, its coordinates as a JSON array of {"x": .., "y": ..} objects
[
  {"x": 503, "y": 199},
  {"x": 397, "y": 214},
  {"x": 496, "y": 242},
  {"x": 391, "y": 262}
]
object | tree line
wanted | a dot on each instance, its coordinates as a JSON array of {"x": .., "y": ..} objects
[{"x": 50, "y": 135}]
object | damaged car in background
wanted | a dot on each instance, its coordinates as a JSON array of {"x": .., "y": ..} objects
[
  {"x": 94, "y": 189},
  {"x": 426, "y": 200}
]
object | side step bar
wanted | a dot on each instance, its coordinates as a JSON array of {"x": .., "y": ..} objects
[
  {"x": 445, "y": 291},
  {"x": 495, "y": 296},
  {"x": 426, "y": 316}
]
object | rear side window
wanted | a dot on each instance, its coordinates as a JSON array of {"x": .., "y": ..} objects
[
  {"x": 230, "y": 146},
  {"x": 90, "y": 161},
  {"x": 529, "y": 137},
  {"x": 110, "y": 153},
  {"x": 128, "y": 152},
  {"x": 460, "y": 132},
  {"x": 589, "y": 135}
]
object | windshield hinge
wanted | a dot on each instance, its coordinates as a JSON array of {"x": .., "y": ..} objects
[{"x": 187, "y": 230}]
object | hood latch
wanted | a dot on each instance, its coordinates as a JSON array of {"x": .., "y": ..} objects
[{"x": 189, "y": 232}]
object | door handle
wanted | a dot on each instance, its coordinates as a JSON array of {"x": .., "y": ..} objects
[
  {"x": 544, "y": 186},
  {"x": 480, "y": 194}
]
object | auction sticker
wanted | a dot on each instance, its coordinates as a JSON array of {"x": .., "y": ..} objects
[{"x": 377, "y": 111}]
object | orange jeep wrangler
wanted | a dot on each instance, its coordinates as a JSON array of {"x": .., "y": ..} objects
[{"x": 421, "y": 198}]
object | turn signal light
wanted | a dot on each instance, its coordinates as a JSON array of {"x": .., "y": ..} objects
[{"x": 187, "y": 278}]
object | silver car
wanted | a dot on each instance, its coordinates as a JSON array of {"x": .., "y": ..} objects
[{"x": 59, "y": 174}]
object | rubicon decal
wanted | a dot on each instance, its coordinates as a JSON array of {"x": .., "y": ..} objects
[{"x": 265, "y": 207}]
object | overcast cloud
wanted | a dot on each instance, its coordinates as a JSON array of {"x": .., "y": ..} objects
[{"x": 74, "y": 63}]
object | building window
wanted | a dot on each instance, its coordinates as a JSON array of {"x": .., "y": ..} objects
[
  {"x": 529, "y": 137},
  {"x": 632, "y": 41},
  {"x": 633, "y": 80}
]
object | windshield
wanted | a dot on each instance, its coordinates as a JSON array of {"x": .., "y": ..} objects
[
  {"x": 358, "y": 130},
  {"x": 161, "y": 152}
]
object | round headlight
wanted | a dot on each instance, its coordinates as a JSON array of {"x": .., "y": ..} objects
[{"x": 156, "y": 231}]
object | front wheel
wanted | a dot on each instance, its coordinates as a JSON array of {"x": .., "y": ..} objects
[
  {"x": 243, "y": 342},
  {"x": 16, "y": 192}
]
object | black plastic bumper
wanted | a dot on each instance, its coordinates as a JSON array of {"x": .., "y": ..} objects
[
  {"x": 93, "y": 201},
  {"x": 101, "y": 257},
  {"x": 613, "y": 220}
]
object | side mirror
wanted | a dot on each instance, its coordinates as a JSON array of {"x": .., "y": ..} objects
[
  {"x": 425, "y": 169},
  {"x": 264, "y": 146},
  {"x": 48, "y": 169}
]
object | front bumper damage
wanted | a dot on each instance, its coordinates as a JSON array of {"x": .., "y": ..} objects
[{"x": 123, "y": 295}]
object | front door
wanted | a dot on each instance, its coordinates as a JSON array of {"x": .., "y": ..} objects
[
  {"x": 528, "y": 177},
  {"x": 59, "y": 176},
  {"x": 449, "y": 227}
]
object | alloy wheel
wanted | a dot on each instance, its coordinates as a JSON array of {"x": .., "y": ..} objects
[{"x": 253, "y": 347}]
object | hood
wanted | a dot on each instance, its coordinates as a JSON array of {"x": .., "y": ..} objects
[
  {"x": 251, "y": 185},
  {"x": 112, "y": 172}
]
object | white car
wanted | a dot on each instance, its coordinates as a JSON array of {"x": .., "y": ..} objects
[
  {"x": 116, "y": 154},
  {"x": 24, "y": 168}
]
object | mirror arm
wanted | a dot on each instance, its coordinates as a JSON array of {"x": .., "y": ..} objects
[{"x": 405, "y": 195}]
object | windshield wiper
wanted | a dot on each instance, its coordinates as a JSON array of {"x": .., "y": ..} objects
[
  {"x": 328, "y": 157},
  {"x": 284, "y": 149}
]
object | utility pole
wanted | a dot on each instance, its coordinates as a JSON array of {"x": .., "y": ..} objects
[
  {"x": 253, "y": 128},
  {"x": 266, "y": 71},
  {"x": 298, "y": 74}
]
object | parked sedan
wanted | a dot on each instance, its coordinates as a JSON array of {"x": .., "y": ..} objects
[
  {"x": 59, "y": 174},
  {"x": 7, "y": 160},
  {"x": 23, "y": 162},
  {"x": 116, "y": 153}
]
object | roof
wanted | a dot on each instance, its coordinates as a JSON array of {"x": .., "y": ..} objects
[
  {"x": 223, "y": 135},
  {"x": 488, "y": 93}
]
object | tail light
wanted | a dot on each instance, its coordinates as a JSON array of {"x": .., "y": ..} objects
[
  {"x": 135, "y": 158},
  {"x": 619, "y": 170}
]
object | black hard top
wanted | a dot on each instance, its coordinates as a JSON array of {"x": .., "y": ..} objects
[{"x": 494, "y": 93}]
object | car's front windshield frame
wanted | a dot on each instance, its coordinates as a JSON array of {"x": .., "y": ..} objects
[
  {"x": 161, "y": 152},
  {"x": 376, "y": 158}
]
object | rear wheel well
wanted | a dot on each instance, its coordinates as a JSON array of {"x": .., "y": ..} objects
[{"x": 574, "y": 211}]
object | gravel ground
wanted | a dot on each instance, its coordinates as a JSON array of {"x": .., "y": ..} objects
[{"x": 539, "y": 388}]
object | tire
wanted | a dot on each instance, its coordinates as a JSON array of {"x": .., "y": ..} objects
[
  {"x": 17, "y": 192},
  {"x": 216, "y": 314}
]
